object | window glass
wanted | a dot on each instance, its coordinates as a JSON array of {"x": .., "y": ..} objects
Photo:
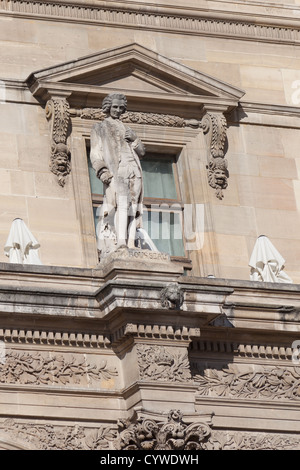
[
  {"x": 158, "y": 178},
  {"x": 164, "y": 227},
  {"x": 96, "y": 184}
]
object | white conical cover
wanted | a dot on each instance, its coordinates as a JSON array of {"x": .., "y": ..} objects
[
  {"x": 267, "y": 263},
  {"x": 21, "y": 246}
]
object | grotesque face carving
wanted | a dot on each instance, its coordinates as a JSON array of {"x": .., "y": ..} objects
[
  {"x": 218, "y": 173},
  {"x": 220, "y": 177},
  {"x": 62, "y": 162}
]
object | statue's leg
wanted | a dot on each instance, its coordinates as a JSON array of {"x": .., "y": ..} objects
[
  {"x": 135, "y": 190},
  {"x": 122, "y": 212}
]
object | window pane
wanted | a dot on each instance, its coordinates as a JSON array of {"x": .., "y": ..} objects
[
  {"x": 158, "y": 178},
  {"x": 96, "y": 184},
  {"x": 165, "y": 230}
]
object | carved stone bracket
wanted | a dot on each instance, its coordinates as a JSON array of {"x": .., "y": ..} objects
[
  {"x": 214, "y": 128},
  {"x": 57, "y": 110},
  {"x": 149, "y": 431}
]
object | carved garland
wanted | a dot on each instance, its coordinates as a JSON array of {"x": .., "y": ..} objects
[
  {"x": 58, "y": 111},
  {"x": 154, "y": 119}
]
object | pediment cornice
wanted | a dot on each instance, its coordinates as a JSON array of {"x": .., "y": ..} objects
[{"x": 146, "y": 77}]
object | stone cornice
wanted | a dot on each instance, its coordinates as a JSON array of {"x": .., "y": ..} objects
[{"x": 200, "y": 21}]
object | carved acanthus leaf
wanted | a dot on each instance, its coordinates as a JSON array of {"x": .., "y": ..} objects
[{"x": 58, "y": 111}]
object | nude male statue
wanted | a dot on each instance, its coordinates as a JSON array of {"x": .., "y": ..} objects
[{"x": 115, "y": 156}]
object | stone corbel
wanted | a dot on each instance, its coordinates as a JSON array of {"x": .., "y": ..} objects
[
  {"x": 58, "y": 113},
  {"x": 214, "y": 127}
]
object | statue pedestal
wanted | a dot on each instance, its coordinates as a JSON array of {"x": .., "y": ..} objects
[{"x": 140, "y": 264}]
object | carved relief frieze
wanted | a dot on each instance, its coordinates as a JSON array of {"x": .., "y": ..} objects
[
  {"x": 153, "y": 433},
  {"x": 232, "y": 440},
  {"x": 19, "y": 367},
  {"x": 50, "y": 437},
  {"x": 143, "y": 431},
  {"x": 160, "y": 363},
  {"x": 242, "y": 382},
  {"x": 57, "y": 111},
  {"x": 203, "y": 22},
  {"x": 214, "y": 128}
]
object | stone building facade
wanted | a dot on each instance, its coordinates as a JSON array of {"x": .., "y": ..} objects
[{"x": 168, "y": 349}]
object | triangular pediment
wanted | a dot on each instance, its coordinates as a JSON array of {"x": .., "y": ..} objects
[{"x": 137, "y": 71}]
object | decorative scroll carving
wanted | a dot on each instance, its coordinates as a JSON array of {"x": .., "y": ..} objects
[
  {"x": 35, "y": 369},
  {"x": 163, "y": 364},
  {"x": 263, "y": 383},
  {"x": 150, "y": 433},
  {"x": 172, "y": 296},
  {"x": 50, "y": 437},
  {"x": 214, "y": 127},
  {"x": 153, "y": 119},
  {"x": 58, "y": 111}
]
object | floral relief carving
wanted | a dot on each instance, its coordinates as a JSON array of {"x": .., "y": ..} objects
[
  {"x": 58, "y": 111},
  {"x": 151, "y": 433},
  {"x": 51, "y": 437},
  {"x": 163, "y": 364},
  {"x": 36, "y": 369},
  {"x": 270, "y": 383},
  {"x": 231, "y": 440}
]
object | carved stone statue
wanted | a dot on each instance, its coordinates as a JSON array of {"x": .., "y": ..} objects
[{"x": 115, "y": 156}]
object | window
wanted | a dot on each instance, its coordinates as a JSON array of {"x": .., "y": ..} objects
[
  {"x": 163, "y": 210},
  {"x": 162, "y": 217}
]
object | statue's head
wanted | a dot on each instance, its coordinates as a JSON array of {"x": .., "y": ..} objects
[{"x": 114, "y": 105}]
